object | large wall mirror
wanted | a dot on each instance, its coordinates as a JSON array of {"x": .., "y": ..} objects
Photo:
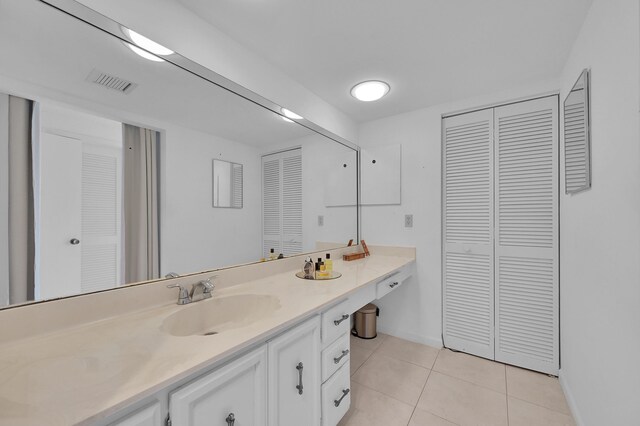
[{"x": 106, "y": 154}]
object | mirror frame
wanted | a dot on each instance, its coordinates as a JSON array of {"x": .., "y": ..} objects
[{"x": 100, "y": 22}]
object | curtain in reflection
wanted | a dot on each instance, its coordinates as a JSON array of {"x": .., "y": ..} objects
[
  {"x": 141, "y": 224},
  {"x": 17, "y": 200}
]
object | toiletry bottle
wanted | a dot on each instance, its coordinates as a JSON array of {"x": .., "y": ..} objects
[
  {"x": 317, "y": 273},
  {"x": 309, "y": 268},
  {"x": 322, "y": 273},
  {"x": 328, "y": 264},
  {"x": 272, "y": 254}
]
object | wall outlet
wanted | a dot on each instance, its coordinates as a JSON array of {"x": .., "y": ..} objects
[
  {"x": 408, "y": 221},
  {"x": 320, "y": 220}
]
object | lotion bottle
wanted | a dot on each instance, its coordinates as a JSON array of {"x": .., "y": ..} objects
[{"x": 328, "y": 264}]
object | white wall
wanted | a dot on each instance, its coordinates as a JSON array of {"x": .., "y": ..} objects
[
  {"x": 169, "y": 23},
  {"x": 414, "y": 310},
  {"x": 600, "y": 228}
]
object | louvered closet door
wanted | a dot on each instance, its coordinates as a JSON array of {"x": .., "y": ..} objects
[
  {"x": 282, "y": 202},
  {"x": 526, "y": 205},
  {"x": 468, "y": 296}
]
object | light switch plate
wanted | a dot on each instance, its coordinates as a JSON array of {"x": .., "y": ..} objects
[
  {"x": 320, "y": 220},
  {"x": 408, "y": 221}
]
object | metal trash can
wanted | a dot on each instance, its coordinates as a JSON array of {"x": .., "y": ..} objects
[{"x": 365, "y": 322}]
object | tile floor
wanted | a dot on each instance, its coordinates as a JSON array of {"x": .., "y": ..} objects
[{"x": 397, "y": 382}]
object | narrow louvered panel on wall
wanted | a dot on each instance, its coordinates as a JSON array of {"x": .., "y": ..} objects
[
  {"x": 468, "y": 232},
  {"x": 100, "y": 218},
  {"x": 236, "y": 186},
  {"x": 576, "y": 148},
  {"x": 271, "y": 204},
  {"x": 526, "y": 247},
  {"x": 98, "y": 265},
  {"x": 292, "y": 202}
]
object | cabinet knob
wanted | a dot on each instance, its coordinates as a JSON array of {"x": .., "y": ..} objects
[
  {"x": 338, "y": 321},
  {"x": 74, "y": 241},
  {"x": 231, "y": 419}
]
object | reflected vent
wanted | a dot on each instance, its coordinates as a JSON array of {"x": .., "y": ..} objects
[{"x": 111, "y": 81}]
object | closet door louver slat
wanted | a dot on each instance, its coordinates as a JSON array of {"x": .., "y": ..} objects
[
  {"x": 468, "y": 233},
  {"x": 526, "y": 200}
]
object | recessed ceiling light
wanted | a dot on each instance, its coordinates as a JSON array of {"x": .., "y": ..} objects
[
  {"x": 368, "y": 91},
  {"x": 286, "y": 119},
  {"x": 291, "y": 114},
  {"x": 148, "y": 44}
]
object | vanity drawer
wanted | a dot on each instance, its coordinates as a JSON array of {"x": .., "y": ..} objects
[
  {"x": 335, "y": 356},
  {"x": 391, "y": 282},
  {"x": 336, "y": 396},
  {"x": 335, "y": 322}
]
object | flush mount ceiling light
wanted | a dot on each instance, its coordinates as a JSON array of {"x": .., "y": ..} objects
[
  {"x": 291, "y": 114},
  {"x": 371, "y": 90},
  {"x": 145, "y": 47}
]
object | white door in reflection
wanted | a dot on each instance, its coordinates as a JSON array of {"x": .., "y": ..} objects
[
  {"x": 282, "y": 203},
  {"x": 80, "y": 215}
]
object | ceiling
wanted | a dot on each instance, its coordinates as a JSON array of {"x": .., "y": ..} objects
[{"x": 430, "y": 51}]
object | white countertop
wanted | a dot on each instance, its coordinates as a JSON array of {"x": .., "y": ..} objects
[{"x": 84, "y": 373}]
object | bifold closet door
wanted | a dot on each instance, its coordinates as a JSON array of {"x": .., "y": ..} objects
[
  {"x": 468, "y": 288},
  {"x": 526, "y": 244}
]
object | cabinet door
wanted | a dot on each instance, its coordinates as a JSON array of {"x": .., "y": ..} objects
[
  {"x": 294, "y": 376},
  {"x": 232, "y": 395}
]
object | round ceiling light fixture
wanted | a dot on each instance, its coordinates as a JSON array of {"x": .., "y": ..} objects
[
  {"x": 286, "y": 119},
  {"x": 371, "y": 90}
]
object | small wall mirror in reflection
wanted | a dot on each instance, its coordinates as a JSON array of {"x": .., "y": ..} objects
[
  {"x": 577, "y": 136},
  {"x": 227, "y": 184}
]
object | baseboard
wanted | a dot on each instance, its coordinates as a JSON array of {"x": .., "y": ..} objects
[
  {"x": 413, "y": 337},
  {"x": 570, "y": 400}
]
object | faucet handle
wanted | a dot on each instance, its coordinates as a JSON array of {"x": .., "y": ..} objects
[
  {"x": 183, "y": 297},
  {"x": 208, "y": 284}
]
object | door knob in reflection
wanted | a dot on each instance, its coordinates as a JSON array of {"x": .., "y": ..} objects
[{"x": 74, "y": 241}]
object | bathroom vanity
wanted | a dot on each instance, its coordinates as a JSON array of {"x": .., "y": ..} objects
[{"x": 271, "y": 349}]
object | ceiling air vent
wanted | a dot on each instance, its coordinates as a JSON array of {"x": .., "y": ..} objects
[{"x": 111, "y": 81}]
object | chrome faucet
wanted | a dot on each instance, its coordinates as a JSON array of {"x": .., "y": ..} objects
[{"x": 199, "y": 291}]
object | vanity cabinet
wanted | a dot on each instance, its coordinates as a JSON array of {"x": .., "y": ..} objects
[
  {"x": 294, "y": 376},
  {"x": 233, "y": 395}
]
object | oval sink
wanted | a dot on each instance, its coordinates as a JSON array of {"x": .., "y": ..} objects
[{"x": 218, "y": 314}]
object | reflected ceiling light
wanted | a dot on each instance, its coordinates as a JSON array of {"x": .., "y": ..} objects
[
  {"x": 291, "y": 114},
  {"x": 148, "y": 44},
  {"x": 371, "y": 90},
  {"x": 286, "y": 119},
  {"x": 143, "y": 53}
]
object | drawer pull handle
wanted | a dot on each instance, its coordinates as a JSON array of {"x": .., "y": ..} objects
[
  {"x": 300, "y": 387},
  {"x": 337, "y": 322},
  {"x": 392, "y": 285},
  {"x": 231, "y": 419},
  {"x": 338, "y": 359},
  {"x": 345, "y": 392}
]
